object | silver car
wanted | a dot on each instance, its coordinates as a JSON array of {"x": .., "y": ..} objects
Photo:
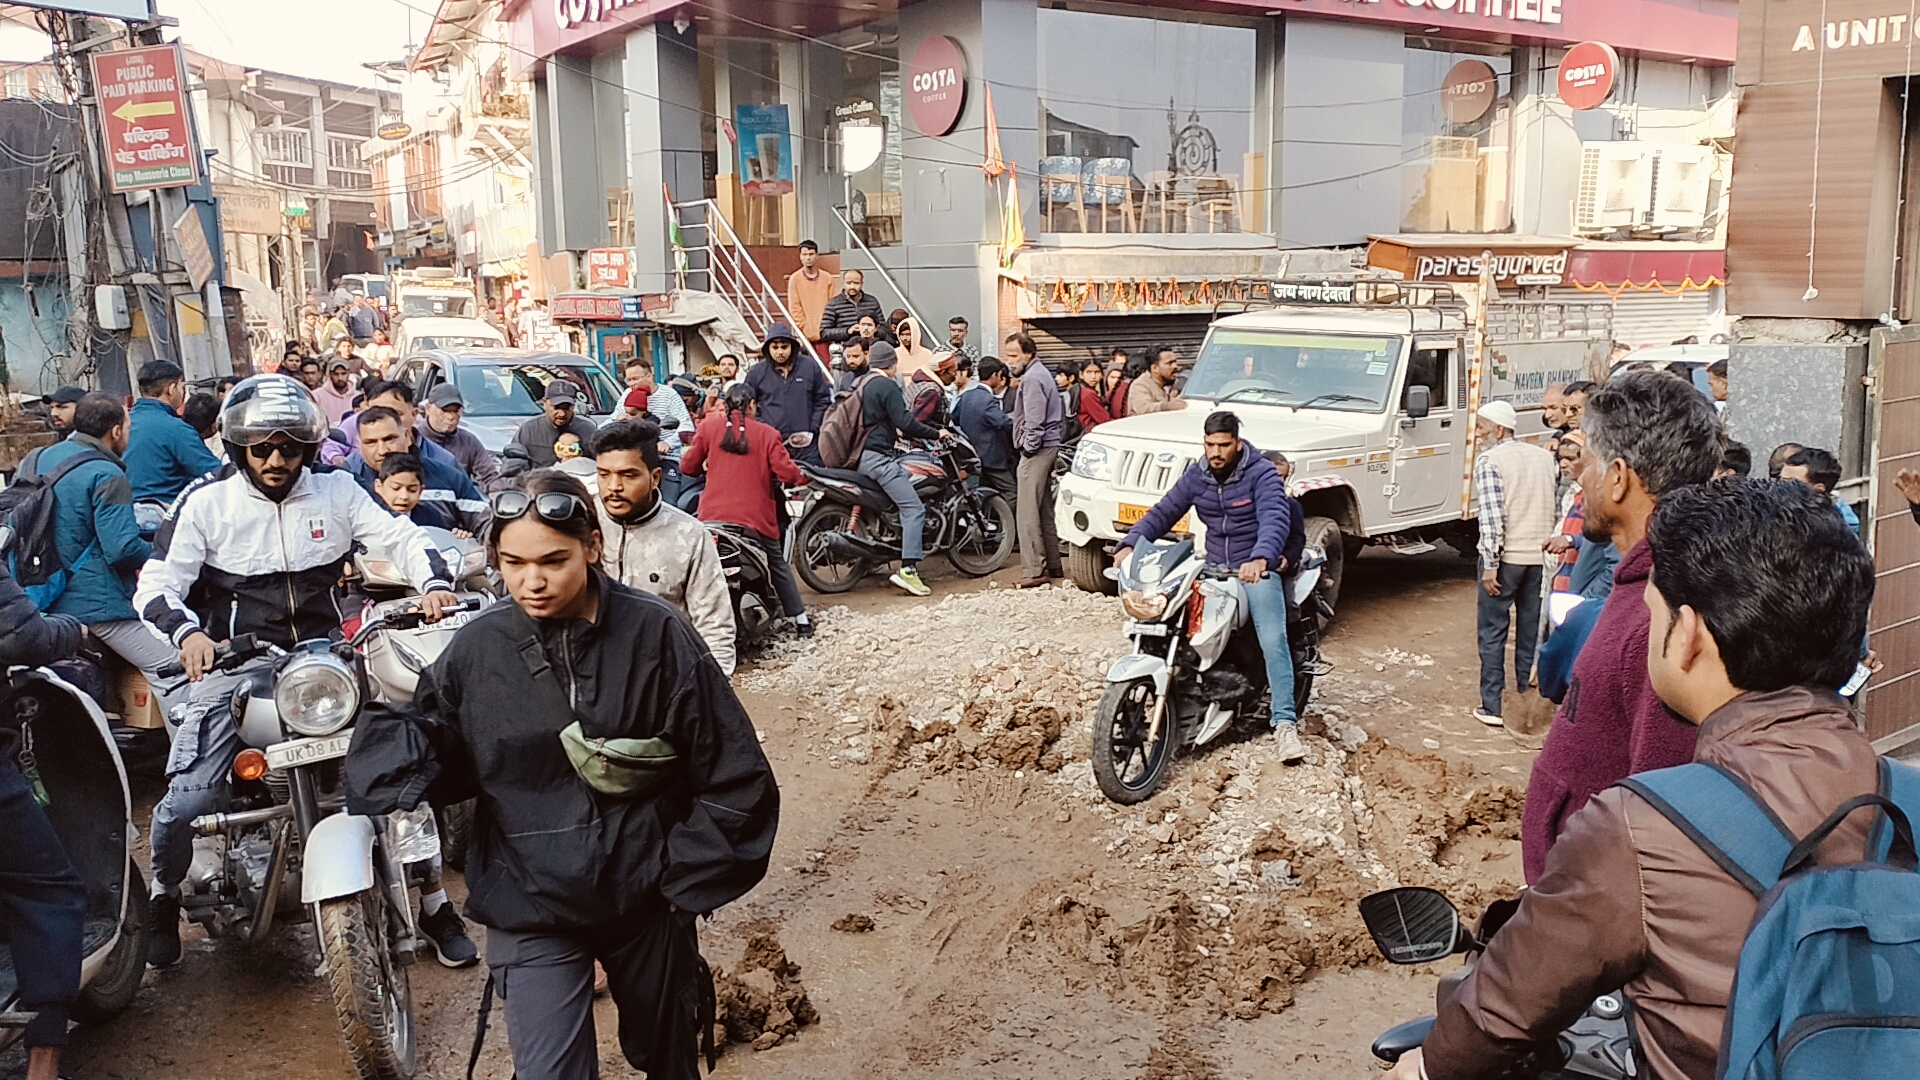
[{"x": 503, "y": 387}]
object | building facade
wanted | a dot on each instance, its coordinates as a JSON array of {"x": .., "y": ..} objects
[{"x": 1158, "y": 156}]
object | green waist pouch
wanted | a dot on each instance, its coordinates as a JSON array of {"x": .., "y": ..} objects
[{"x": 622, "y": 768}]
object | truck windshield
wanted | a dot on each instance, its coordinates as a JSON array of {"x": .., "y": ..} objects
[
  {"x": 517, "y": 389},
  {"x": 447, "y": 303},
  {"x": 1322, "y": 371}
]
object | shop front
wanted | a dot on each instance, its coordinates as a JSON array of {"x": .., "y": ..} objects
[{"x": 613, "y": 328}]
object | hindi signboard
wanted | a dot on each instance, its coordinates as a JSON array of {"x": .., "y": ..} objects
[{"x": 144, "y": 120}]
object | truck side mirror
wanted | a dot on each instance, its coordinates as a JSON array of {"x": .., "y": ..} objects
[{"x": 1419, "y": 401}]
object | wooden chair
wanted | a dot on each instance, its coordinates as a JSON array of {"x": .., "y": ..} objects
[
  {"x": 1164, "y": 187},
  {"x": 1109, "y": 182},
  {"x": 1214, "y": 197},
  {"x": 1060, "y": 175}
]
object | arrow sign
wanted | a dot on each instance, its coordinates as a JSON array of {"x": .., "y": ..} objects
[{"x": 140, "y": 110}]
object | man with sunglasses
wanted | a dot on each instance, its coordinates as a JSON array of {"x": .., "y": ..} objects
[{"x": 259, "y": 546}]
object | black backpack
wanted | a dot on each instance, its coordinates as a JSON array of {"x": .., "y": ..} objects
[{"x": 28, "y": 507}]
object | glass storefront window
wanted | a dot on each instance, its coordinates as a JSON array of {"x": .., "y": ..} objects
[
  {"x": 1456, "y": 138},
  {"x": 866, "y": 125},
  {"x": 758, "y": 156},
  {"x": 1147, "y": 125}
]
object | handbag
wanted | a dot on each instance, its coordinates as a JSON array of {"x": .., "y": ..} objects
[{"x": 622, "y": 768}]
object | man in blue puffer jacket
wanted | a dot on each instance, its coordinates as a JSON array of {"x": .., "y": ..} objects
[
  {"x": 1243, "y": 502},
  {"x": 164, "y": 454},
  {"x": 99, "y": 542}
]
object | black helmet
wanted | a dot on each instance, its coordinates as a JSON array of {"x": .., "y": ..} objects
[{"x": 264, "y": 406}]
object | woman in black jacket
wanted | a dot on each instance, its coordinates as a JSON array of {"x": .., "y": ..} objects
[{"x": 560, "y": 873}]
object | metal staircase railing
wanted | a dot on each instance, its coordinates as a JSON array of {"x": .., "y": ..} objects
[
  {"x": 880, "y": 268},
  {"x": 717, "y": 261}
]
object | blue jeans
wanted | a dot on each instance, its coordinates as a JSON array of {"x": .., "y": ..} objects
[
  {"x": 1520, "y": 595},
  {"x": 886, "y": 470},
  {"x": 1267, "y": 602},
  {"x": 203, "y": 751}
]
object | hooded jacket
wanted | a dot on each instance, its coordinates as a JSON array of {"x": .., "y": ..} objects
[
  {"x": 1248, "y": 515},
  {"x": 95, "y": 511},
  {"x": 665, "y": 551},
  {"x": 1626, "y": 900},
  {"x": 551, "y": 854},
  {"x": 796, "y": 401}
]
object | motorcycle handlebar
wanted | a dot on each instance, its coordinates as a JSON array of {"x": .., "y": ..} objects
[
  {"x": 411, "y": 616},
  {"x": 225, "y": 657}
]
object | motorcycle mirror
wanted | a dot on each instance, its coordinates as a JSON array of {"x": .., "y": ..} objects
[{"x": 1412, "y": 925}]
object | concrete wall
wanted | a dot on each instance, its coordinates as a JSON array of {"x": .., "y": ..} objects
[{"x": 1805, "y": 393}]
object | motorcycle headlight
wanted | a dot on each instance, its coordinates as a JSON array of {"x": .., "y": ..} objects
[
  {"x": 316, "y": 694},
  {"x": 1145, "y": 607},
  {"x": 1093, "y": 461}
]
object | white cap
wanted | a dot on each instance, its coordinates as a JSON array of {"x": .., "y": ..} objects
[{"x": 1500, "y": 413}]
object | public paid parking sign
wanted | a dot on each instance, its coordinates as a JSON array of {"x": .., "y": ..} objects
[{"x": 143, "y": 118}]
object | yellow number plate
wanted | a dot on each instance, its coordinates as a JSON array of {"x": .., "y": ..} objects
[{"x": 1129, "y": 514}]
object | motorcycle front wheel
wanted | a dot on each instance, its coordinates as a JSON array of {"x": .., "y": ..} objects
[
  {"x": 823, "y": 569},
  {"x": 982, "y": 542},
  {"x": 1127, "y": 763},
  {"x": 371, "y": 995}
]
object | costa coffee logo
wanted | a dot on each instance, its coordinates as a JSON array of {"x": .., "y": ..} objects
[
  {"x": 1587, "y": 74},
  {"x": 1468, "y": 91},
  {"x": 936, "y": 85}
]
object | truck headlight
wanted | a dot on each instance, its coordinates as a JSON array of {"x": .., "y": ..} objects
[
  {"x": 316, "y": 694},
  {"x": 1093, "y": 461}
]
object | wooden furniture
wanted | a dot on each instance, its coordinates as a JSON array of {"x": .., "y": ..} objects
[
  {"x": 1057, "y": 175},
  {"x": 1116, "y": 191},
  {"x": 1213, "y": 196},
  {"x": 1164, "y": 188}
]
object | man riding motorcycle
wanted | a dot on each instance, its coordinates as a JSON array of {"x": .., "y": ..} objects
[
  {"x": 261, "y": 543},
  {"x": 1244, "y": 504}
]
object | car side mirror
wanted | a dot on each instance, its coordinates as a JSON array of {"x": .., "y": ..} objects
[
  {"x": 1413, "y": 925},
  {"x": 1419, "y": 401}
]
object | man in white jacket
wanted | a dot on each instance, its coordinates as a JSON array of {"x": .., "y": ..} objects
[{"x": 654, "y": 546}]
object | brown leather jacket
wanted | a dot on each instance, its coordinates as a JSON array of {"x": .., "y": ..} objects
[{"x": 1627, "y": 901}]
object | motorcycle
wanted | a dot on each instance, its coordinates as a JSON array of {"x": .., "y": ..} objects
[
  {"x": 851, "y": 524},
  {"x": 285, "y": 834},
  {"x": 749, "y": 581},
  {"x": 1196, "y": 663},
  {"x": 65, "y": 744},
  {"x": 1421, "y": 926}
]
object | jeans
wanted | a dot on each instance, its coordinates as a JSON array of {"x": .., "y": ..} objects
[
  {"x": 138, "y": 645},
  {"x": 1267, "y": 603},
  {"x": 1033, "y": 514},
  {"x": 886, "y": 470},
  {"x": 1518, "y": 602},
  {"x": 203, "y": 751},
  {"x": 782, "y": 571},
  {"x": 43, "y": 906}
]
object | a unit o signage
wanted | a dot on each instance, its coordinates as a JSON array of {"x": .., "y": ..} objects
[
  {"x": 1468, "y": 91},
  {"x": 1587, "y": 74},
  {"x": 936, "y": 85}
]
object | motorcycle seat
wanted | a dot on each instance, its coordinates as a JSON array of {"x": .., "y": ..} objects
[{"x": 851, "y": 476}]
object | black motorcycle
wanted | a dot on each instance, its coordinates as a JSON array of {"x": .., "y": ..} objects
[
  {"x": 851, "y": 526},
  {"x": 1420, "y": 926},
  {"x": 749, "y": 581}
]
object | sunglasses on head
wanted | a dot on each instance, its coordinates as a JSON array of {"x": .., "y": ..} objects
[{"x": 554, "y": 506}]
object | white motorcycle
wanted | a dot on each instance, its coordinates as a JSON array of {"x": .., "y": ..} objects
[{"x": 1196, "y": 664}]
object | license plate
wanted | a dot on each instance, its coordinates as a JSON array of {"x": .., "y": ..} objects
[
  {"x": 1130, "y": 514},
  {"x": 286, "y": 755}
]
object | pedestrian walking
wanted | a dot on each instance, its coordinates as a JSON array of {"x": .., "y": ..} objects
[
  {"x": 793, "y": 395},
  {"x": 1089, "y": 405},
  {"x": 957, "y": 342},
  {"x": 337, "y": 391},
  {"x": 1513, "y": 501},
  {"x": 1037, "y": 423},
  {"x": 743, "y": 460}
]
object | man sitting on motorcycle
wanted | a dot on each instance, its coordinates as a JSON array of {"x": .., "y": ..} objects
[
  {"x": 260, "y": 544},
  {"x": 1244, "y": 505},
  {"x": 1757, "y": 604},
  {"x": 884, "y": 412}
]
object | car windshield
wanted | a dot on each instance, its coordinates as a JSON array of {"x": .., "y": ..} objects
[
  {"x": 1322, "y": 371},
  {"x": 453, "y": 304},
  {"x": 454, "y": 341},
  {"x": 517, "y": 389}
]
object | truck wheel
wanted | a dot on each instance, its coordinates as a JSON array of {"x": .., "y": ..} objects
[
  {"x": 1087, "y": 565},
  {"x": 114, "y": 987},
  {"x": 371, "y": 996},
  {"x": 1324, "y": 533}
]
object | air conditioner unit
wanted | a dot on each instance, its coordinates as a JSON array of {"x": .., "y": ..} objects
[
  {"x": 1616, "y": 183},
  {"x": 1681, "y": 176}
]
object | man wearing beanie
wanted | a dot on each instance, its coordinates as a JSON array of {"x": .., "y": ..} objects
[
  {"x": 1513, "y": 498},
  {"x": 884, "y": 410}
]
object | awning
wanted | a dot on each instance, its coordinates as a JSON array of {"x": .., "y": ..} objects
[{"x": 1671, "y": 269}]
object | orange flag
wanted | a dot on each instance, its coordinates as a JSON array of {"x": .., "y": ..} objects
[{"x": 996, "y": 163}]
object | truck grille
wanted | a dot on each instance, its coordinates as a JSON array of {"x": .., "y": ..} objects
[{"x": 1154, "y": 473}]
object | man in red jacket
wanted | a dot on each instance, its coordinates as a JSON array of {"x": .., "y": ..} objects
[
  {"x": 1647, "y": 434},
  {"x": 743, "y": 457}
]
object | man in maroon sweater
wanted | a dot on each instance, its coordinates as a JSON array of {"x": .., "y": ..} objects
[{"x": 1647, "y": 434}]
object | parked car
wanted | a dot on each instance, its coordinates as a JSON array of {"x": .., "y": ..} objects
[
  {"x": 1690, "y": 360},
  {"x": 424, "y": 333},
  {"x": 504, "y": 387}
]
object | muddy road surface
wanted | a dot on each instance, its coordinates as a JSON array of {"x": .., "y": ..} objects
[{"x": 951, "y": 896}]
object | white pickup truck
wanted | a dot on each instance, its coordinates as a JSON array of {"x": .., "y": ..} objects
[{"x": 1368, "y": 387}]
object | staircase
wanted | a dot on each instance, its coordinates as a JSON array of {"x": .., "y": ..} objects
[{"x": 714, "y": 260}]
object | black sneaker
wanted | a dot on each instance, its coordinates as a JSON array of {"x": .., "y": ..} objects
[
  {"x": 804, "y": 629},
  {"x": 448, "y": 933},
  {"x": 163, "y": 923}
]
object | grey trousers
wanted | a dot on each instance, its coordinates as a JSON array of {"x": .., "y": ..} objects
[
  {"x": 1033, "y": 514},
  {"x": 138, "y": 645}
]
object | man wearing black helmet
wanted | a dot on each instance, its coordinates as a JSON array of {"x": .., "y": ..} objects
[{"x": 259, "y": 544}]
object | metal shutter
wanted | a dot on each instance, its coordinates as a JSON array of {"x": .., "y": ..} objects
[
  {"x": 1654, "y": 318},
  {"x": 1080, "y": 338}
]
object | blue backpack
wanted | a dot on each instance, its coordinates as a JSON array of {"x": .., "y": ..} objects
[{"x": 1828, "y": 985}]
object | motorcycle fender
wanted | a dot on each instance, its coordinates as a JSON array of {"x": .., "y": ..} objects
[
  {"x": 339, "y": 858},
  {"x": 1140, "y": 666}
]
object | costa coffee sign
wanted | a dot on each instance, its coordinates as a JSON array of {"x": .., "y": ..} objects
[
  {"x": 1587, "y": 74},
  {"x": 936, "y": 85},
  {"x": 1468, "y": 91}
]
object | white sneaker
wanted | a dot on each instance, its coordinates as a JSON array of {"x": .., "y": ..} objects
[
  {"x": 1488, "y": 718},
  {"x": 1286, "y": 738}
]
